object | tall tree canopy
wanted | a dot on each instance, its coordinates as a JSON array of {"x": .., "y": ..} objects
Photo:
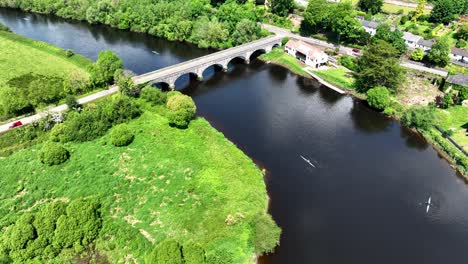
[
  {"x": 281, "y": 7},
  {"x": 372, "y": 6},
  {"x": 444, "y": 12},
  {"x": 394, "y": 37},
  {"x": 439, "y": 53},
  {"x": 379, "y": 66}
]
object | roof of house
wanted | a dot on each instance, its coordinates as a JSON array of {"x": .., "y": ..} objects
[
  {"x": 369, "y": 24},
  {"x": 411, "y": 37},
  {"x": 459, "y": 79},
  {"x": 460, "y": 52},
  {"x": 426, "y": 43},
  {"x": 305, "y": 48}
]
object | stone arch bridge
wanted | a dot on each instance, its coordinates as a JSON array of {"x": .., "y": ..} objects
[{"x": 197, "y": 66}]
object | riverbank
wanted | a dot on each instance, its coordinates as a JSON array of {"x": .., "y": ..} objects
[
  {"x": 341, "y": 79},
  {"x": 169, "y": 183}
]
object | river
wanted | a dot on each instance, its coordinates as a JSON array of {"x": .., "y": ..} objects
[{"x": 361, "y": 203}]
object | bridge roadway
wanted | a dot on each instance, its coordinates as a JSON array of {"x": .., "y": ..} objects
[{"x": 197, "y": 66}]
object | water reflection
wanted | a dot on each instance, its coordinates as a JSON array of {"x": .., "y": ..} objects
[{"x": 372, "y": 123}]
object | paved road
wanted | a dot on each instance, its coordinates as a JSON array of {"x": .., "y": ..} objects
[
  {"x": 31, "y": 119},
  {"x": 418, "y": 67}
]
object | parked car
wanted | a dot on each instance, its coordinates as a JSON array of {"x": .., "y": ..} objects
[
  {"x": 356, "y": 51},
  {"x": 16, "y": 124}
]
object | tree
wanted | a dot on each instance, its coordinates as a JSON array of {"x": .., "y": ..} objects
[
  {"x": 246, "y": 31},
  {"x": 462, "y": 33},
  {"x": 378, "y": 98},
  {"x": 266, "y": 234},
  {"x": 182, "y": 110},
  {"x": 126, "y": 85},
  {"x": 372, "y": 6},
  {"x": 417, "y": 55},
  {"x": 419, "y": 10},
  {"x": 105, "y": 67},
  {"x": 153, "y": 95},
  {"x": 316, "y": 15},
  {"x": 167, "y": 252},
  {"x": 72, "y": 102},
  {"x": 440, "y": 53},
  {"x": 193, "y": 253},
  {"x": 211, "y": 33},
  {"x": 421, "y": 117},
  {"x": 281, "y": 7},
  {"x": 447, "y": 101},
  {"x": 4, "y": 28},
  {"x": 53, "y": 154},
  {"x": 379, "y": 66},
  {"x": 394, "y": 37},
  {"x": 443, "y": 12}
]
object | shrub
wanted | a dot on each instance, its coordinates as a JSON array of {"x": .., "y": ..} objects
[
  {"x": 284, "y": 40},
  {"x": 167, "y": 252},
  {"x": 153, "y": 95},
  {"x": 53, "y": 154},
  {"x": 419, "y": 117},
  {"x": 121, "y": 136},
  {"x": 4, "y": 28},
  {"x": 69, "y": 53},
  {"x": 173, "y": 93},
  {"x": 72, "y": 102},
  {"x": 193, "y": 253},
  {"x": 417, "y": 55},
  {"x": 57, "y": 133},
  {"x": 348, "y": 62},
  {"x": 266, "y": 234},
  {"x": 102, "y": 72},
  {"x": 378, "y": 97},
  {"x": 447, "y": 101},
  {"x": 182, "y": 110}
]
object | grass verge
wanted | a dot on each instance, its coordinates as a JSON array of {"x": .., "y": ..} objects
[
  {"x": 340, "y": 77},
  {"x": 278, "y": 56}
]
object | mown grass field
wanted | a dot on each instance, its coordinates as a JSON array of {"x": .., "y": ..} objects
[
  {"x": 339, "y": 77},
  {"x": 20, "y": 55},
  {"x": 455, "y": 118},
  {"x": 169, "y": 183},
  {"x": 278, "y": 56}
]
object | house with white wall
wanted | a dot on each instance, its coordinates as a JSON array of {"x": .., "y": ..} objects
[
  {"x": 425, "y": 45},
  {"x": 370, "y": 26},
  {"x": 306, "y": 53},
  {"x": 458, "y": 54},
  {"x": 411, "y": 40}
]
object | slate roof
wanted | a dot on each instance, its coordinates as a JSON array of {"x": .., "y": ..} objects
[
  {"x": 427, "y": 43},
  {"x": 460, "y": 52},
  {"x": 411, "y": 37},
  {"x": 369, "y": 24},
  {"x": 305, "y": 48},
  {"x": 459, "y": 79}
]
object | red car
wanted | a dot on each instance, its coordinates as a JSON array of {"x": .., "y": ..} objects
[
  {"x": 16, "y": 124},
  {"x": 356, "y": 51}
]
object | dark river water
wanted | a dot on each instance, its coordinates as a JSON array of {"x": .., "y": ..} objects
[{"x": 362, "y": 202}]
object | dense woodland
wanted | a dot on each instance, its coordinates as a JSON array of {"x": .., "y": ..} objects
[{"x": 221, "y": 26}]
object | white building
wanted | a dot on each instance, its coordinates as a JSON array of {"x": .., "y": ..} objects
[
  {"x": 411, "y": 40},
  {"x": 460, "y": 55},
  {"x": 370, "y": 26},
  {"x": 425, "y": 45},
  {"x": 306, "y": 53}
]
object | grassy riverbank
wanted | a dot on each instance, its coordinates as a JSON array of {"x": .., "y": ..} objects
[
  {"x": 279, "y": 57},
  {"x": 190, "y": 185}
]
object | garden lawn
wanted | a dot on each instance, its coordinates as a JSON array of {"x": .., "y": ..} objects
[
  {"x": 455, "y": 118},
  {"x": 340, "y": 77},
  {"x": 278, "y": 56},
  {"x": 20, "y": 55},
  {"x": 169, "y": 183}
]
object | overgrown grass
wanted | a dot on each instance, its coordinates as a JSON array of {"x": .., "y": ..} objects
[
  {"x": 340, "y": 77},
  {"x": 278, "y": 56},
  {"x": 395, "y": 9},
  {"x": 169, "y": 183},
  {"x": 455, "y": 119}
]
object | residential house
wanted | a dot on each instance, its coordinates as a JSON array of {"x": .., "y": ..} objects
[
  {"x": 460, "y": 55},
  {"x": 459, "y": 80},
  {"x": 306, "y": 53},
  {"x": 425, "y": 45},
  {"x": 370, "y": 26},
  {"x": 411, "y": 40}
]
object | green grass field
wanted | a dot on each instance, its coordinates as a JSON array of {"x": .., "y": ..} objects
[
  {"x": 20, "y": 55},
  {"x": 278, "y": 56},
  {"x": 456, "y": 119},
  {"x": 188, "y": 185},
  {"x": 339, "y": 77}
]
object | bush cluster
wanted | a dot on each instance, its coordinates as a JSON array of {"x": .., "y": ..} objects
[
  {"x": 43, "y": 235},
  {"x": 182, "y": 110},
  {"x": 172, "y": 252},
  {"x": 378, "y": 97},
  {"x": 419, "y": 117},
  {"x": 154, "y": 95},
  {"x": 53, "y": 154},
  {"x": 94, "y": 121},
  {"x": 121, "y": 136}
]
